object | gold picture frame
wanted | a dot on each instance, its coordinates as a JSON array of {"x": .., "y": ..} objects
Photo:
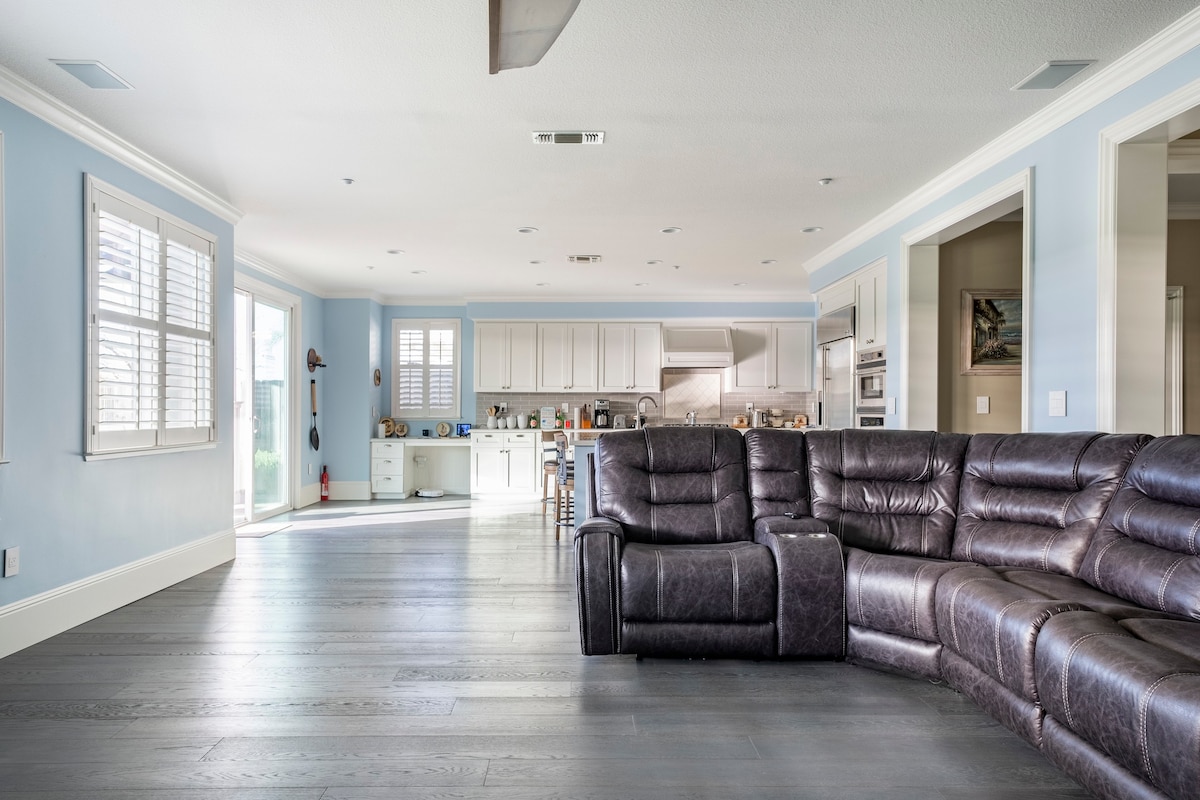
[{"x": 990, "y": 336}]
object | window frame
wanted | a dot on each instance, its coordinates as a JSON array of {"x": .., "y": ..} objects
[
  {"x": 164, "y": 438},
  {"x": 400, "y": 324}
]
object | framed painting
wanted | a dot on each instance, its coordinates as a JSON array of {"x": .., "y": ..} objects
[{"x": 990, "y": 335}]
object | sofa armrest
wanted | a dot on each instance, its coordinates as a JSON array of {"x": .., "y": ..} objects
[
  {"x": 812, "y": 590},
  {"x": 789, "y": 523},
  {"x": 598, "y": 545}
]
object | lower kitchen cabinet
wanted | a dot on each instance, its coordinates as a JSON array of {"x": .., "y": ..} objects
[
  {"x": 387, "y": 469},
  {"x": 504, "y": 462}
]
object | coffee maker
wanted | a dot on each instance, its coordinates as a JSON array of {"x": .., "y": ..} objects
[{"x": 601, "y": 416}]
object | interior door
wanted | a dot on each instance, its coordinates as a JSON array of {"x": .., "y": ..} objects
[{"x": 262, "y": 411}]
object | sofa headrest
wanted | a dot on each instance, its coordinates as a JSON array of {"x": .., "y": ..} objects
[
  {"x": 674, "y": 485},
  {"x": 1147, "y": 549},
  {"x": 1035, "y": 500},
  {"x": 778, "y": 463}
]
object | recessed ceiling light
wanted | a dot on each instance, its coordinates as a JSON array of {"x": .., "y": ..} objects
[
  {"x": 537, "y": 261},
  {"x": 94, "y": 74},
  {"x": 370, "y": 266},
  {"x": 527, "y": 230},
  {"x": 672, "y": 229},
  {"x": 676, "y": 267},
  {"x": 767, "y": 261},
  {"x": 347, "y": 181},
  {"x": 541, "y": 284},
  {"x": 813, "y": 229},
  {"x": 395, "y": 252},
  {"x": 654, "y": 261},
  {"x": 418, "y": 272},
  {"x": 739, "y": 284},
  {"x": 641, "y": 284},
  {"x": 1053, "y": 74},
  {"x": 824, "y": 181}
]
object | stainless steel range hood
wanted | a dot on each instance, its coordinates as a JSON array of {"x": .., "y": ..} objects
[{"x": 697, "y": 347}]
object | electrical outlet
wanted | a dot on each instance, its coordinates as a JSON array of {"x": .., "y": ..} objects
[
  {"x": 503, "y": 407},
  {"x": 749, "y": 408},
  {"x": 12, "y": 561},
  {"x": 1058, "y": 404},
  {"x": 983, "y": 405}
]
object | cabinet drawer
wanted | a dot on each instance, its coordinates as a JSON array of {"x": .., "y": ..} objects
[
  {"x": 387, "y": 483},
  {"x": 486, "y": 438},
  {"x": 387, "y": 466},
  {"x": 387, "y": 449},
  {"x": 519, "y": 438}
]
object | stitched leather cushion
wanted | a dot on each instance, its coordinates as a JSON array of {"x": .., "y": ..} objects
[
  {"x": 894, "y": 594},
  {"x": 887, "y": 491},
  {"x": 1147, "y": 547},
  {"x": 1127, "y": 697},
  {"x": 778, "y": 473},
  {"x": 1035, "y": 499},
  {"x": 732, "y": 582},
  {"x": 675, "y": 485}
]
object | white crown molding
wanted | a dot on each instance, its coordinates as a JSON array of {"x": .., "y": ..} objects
[
  {"x": 355, "y": 294},
  {"x": 585, "y": 297},
  {"x": 1183, "y": 157},
  {"x": 46, "y": 107},
  {"x": 1162, "y": 48},
  {"x": 270, "y": 270}
]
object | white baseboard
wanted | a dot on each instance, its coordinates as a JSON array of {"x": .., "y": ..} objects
[
  {"x": 27, "y": 622},
  {"x": 349, "y": 490},
  {"x": 309, "y": 493}
]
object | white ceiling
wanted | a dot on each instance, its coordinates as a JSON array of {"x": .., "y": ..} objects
[{"x": 720, "y": 118}]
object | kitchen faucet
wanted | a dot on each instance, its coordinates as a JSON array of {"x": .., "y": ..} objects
[
  {"x": 637, "y": 418},
  {"x": 691, "y": 417}
]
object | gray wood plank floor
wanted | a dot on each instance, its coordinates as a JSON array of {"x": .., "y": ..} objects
[{"x": 435, "y": 655}]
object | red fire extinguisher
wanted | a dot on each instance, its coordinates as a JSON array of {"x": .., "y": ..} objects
[{"x": 324, "y": 483}]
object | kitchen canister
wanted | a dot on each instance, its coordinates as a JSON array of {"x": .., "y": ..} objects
[
  {"x": 492, "y": 421},
  {"x": 522, "y": 421}
]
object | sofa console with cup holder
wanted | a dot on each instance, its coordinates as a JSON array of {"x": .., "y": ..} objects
[{"x": 1053, "y": 578}]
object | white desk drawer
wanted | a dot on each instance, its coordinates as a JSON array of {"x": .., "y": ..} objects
[
  {"x": 393, "y": 484},
  {"x": 522, "y": 437},
  {"x": 487, "y": 437},
  {"x": 387, "y": 450},
  {"x": 387, "y": 466}
]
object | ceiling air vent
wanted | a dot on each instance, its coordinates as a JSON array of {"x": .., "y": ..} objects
[
  {"x": 568, "y": 137},
  {"x": 584, "y": 259}
]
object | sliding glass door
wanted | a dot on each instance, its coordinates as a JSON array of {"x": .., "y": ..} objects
[{"x": 263, "y": 424}]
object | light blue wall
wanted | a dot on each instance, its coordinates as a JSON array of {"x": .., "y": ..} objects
[
  {"x": 73, "y": 518},
  {"x": 312, "y": 334},
  {"x": 1065, "y": 163},
  {"x": 344, "y": 417}
]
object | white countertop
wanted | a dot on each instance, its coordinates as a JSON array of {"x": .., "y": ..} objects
[{"x": 431, "y": 441}]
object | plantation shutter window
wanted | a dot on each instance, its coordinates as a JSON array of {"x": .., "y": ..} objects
[
  {"x": 425, "y": 368},
  {"x": 151, "y": 346}
]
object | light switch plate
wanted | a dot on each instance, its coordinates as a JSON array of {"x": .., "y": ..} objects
[
  {"x": 12, "y": 561},
  {"x": 983, "y": 405},
  {"x": 1058, "y": 404},
  {"x": 891, "y": 405}
]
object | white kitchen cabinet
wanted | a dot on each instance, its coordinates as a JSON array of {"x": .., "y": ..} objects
[
  {"x": 506, "y": 356},
  {"x": 630, "y": 357},
  {"x": 870, "y": 308},
  {"x": 567, "y": 353},
  {"x": 835, "y": 296},
  {"x": 387, "y": 469},
  {"x": 504, "y": 462},
  {"x": 776, "y": 356}
]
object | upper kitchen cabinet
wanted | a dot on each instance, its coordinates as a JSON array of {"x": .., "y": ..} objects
[
  {"x": 831, "y": 298},
  {"x": 777, "y": 356},
  {"x": 567, "y": 357},
  {"x": 630, "y": 357},
  {"x": 506, "y": 356},
  {"x": 870, "y": 308}
]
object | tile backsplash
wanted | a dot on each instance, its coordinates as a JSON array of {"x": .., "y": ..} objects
[{"x": 723, "y": 410}]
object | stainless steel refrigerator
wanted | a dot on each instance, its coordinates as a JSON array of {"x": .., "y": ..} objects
[{"x": 835, "y": 370}]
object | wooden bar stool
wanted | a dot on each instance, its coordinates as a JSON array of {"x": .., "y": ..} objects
[{"x": 549, "y": 470}]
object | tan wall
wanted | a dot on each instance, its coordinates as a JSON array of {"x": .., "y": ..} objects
[
  {"x": 988, "y": 257},
  {"x": 1183, "y": 269}
]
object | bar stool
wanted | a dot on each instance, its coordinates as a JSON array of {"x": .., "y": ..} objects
[
  {"x": 549, "y": 469},
  {"x": 564, "y": 486}
]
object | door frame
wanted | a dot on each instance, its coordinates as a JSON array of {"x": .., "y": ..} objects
[
  {"x": 919, "y": 333},
  {"x": 1174, "y": 362},
  {"x": 295, "y": 363}
]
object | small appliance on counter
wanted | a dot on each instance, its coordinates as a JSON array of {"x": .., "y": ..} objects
[
  {"x": 601, "y": 416},
  {"x": 618, "y": 421}
]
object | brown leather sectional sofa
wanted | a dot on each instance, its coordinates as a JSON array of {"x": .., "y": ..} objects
[{"x": 1054, "y": 578}]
